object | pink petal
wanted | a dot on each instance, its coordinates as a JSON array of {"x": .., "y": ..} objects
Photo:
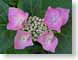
[
  {"x": 48, "y": 41},
  {"x": 22, "y": 40},
  {"x": 16, "y": 18},
  {"x": 64, "y": 14},
  {"x": 55, "y": 18}
]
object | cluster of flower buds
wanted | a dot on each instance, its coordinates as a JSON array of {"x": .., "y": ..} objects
[{"x": 33, "y": 28}]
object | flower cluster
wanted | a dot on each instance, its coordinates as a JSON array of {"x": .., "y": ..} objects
[{"x": 31, "y": 29}]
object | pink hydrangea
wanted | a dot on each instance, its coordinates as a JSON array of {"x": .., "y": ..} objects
[
  {"x": 22, "y": 40},
  {"x": 48, "y": 41},
  {"x": 16, "y": 18},
  {"x": 55, "y": 18}
]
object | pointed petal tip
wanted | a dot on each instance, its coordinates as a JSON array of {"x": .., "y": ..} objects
[{"x": 59, "y": 30}]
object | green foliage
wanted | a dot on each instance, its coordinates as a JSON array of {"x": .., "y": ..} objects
[
  {"x": 11, "y": 2},
  {"x": 6, "y": 37},
  {"x": 38, "y": 8}
]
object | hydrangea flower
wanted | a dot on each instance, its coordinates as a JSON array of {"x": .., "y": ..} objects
[
  {"x": 16, "y": 18},
  {"x": 48, "y": 41},
  {"x": 22, "y": 40},
  {"x": 55, "y": 18},
  {"x": 40, "y": 29}
]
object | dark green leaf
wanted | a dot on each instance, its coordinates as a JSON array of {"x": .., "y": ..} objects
[
  {"x": 65, "y": 39},
  {"x": 11, "y": 2},
  {"x": 6, "y": 40},
  {"x": 6, "y": 37}
]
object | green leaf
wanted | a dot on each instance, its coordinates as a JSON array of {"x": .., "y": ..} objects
[
  {"x": 65, "y": 39},
  {"x": 6, "y": 40},
  {"x": 11, "y": 2},
  {"x": 38, "y": 8},
  {"x": 6, "y": 37},
  {"x": 3, "y": 14},
  {"x": 28, "y": 6}
]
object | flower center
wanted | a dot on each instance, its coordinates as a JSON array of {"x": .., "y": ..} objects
[{"x": 35, "y": 26}]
